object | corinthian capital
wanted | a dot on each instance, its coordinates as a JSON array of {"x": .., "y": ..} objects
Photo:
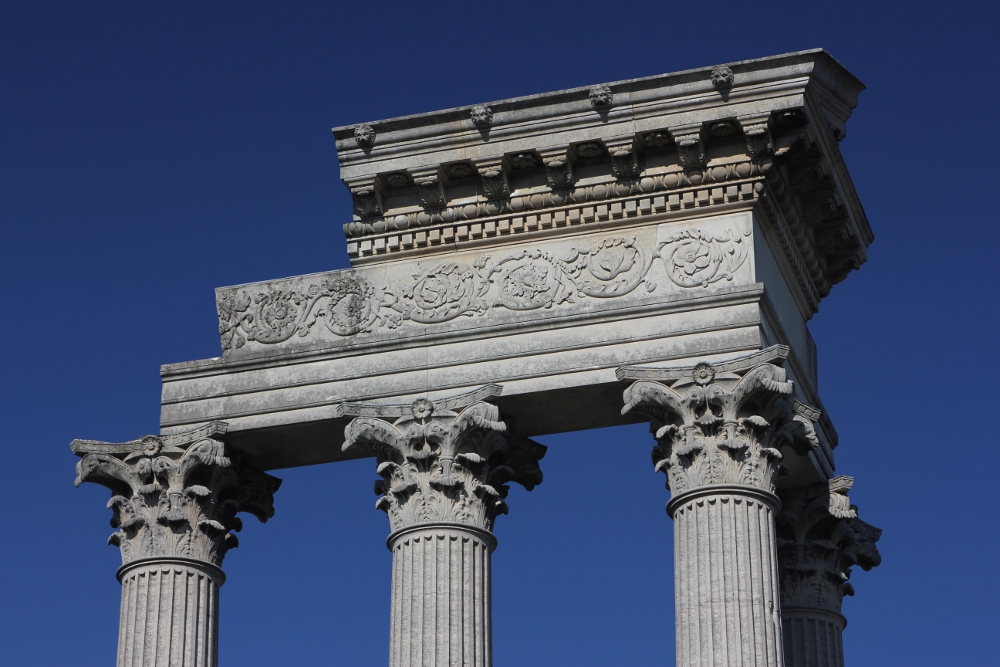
[
  {"x": 820, "y": 538},
  {"x": 444, "y": 461},
  {"x": 176, "y": 495},
  {"x": 723, "y": 423}
]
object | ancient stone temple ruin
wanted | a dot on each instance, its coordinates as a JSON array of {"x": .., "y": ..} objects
[{"x": 648, "y": 250}]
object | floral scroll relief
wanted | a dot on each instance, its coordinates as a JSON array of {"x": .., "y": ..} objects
[
  {"x": 521, "y": 280},
  {"x": 696, "y": 257},
  {"x": 444, "y": 292},
  {"x": 526, "y": 280},
  {"x": 347, "y": 305}
]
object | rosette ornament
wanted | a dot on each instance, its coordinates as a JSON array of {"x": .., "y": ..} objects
[
  {"x": 722, "y": 423},
  {"x": 447, "y": 461},
  {"x": 176, "y": 496}
]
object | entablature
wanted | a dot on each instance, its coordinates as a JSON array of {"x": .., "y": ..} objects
[{"x": 646, "y": 150}]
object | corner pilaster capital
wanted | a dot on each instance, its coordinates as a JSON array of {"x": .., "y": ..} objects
[
  {"x": 820, "y": 539},
  {"x": 176, "y": 496},
  {"x": 443, "y": 461},
  {"x": 721, "y": 423}
]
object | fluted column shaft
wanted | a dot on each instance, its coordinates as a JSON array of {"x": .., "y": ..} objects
[
  {"x": 169, "y": 613},
  {"x": 726, "y": 577},
  {"x": 444, "y": 469},
  {"x": 813, "y": 637},
  {"x": 720, "y": 430},
  {"x": 175, "y": 499},
  {"x": 441, "y": 596}
]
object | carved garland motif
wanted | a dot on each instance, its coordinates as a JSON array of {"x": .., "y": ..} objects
[{"x": 522, "y": 280}]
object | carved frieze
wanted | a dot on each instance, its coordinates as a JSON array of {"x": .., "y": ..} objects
[
  {"x": 722, "y": 423},
  {"x": 522, "y": 279},
  {"x": 699, "y": 257},
  {"x": 446, "y": 461},
  {"x": 347, "y": 304},
  {"x": 176, "y": 495},
  {"x": 820, "y": 539}
]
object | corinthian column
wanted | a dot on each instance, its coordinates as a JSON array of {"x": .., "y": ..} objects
[
  {"x": 444, "y": 470},
  {"x": 175, "y": 500},
  {"x": 719, "y": 432},
  {"x": 820, "y": 539}
]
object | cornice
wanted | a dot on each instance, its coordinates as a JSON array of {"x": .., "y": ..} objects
[
  {"x": 676, "y": 89},
  {"x": 641, "y": 151}
]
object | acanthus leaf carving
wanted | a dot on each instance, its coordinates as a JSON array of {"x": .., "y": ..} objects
[
  {"x": 432, "y": 194},
  {"x": 559, "y": 172},
  {"x": 367, "y": 202},
  {"x": 176, "y": 495},
  {"x": 443, "y": 461},
  {"x": 347, "y": 305},
  {"x": 624, "y": 161},
  {"x": 697, "y": 257},
  {"x": 720, "y": 423},
  {"x": 820, "y": 539},
  {"x": 690, "y": 151},
  {"x": 494, "y": 178}
]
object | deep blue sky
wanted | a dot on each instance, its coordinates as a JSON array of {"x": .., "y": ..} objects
[{"x": 149, "y": 155}]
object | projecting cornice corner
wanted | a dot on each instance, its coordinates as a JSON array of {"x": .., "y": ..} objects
[{"x": 758, "y": 134}]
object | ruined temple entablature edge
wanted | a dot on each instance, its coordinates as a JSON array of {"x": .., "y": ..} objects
[{"x": 759, "y": 134}]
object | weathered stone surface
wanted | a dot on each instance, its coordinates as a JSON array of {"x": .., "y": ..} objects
[
  {"x": 652, "y": 136},
  {"x": 722, "y": 423},
  {"x": 441, "y": 597},
  {"x": 719, "y": 431},
  {"x": 726, "y": 578},
  {"x": 444, "y": 468},
  {"x": 820, "y": 540},
  {"x": 169, "y": 613},
  {"x": 175, "y": 500},
  {"x": 677, "y": 231}
]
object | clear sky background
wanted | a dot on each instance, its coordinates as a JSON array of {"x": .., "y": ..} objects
[{"x": 150, "y": 152}]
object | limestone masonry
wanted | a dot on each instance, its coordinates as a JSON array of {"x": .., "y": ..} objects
[{"x": 645, "y": 250}]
